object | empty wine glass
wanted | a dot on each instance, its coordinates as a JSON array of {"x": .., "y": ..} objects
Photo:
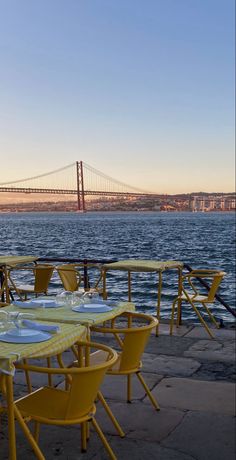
[
  {"x": 15, "y": 319},
  {"x": 77, "y": 297},
  {"x": 91, "y": 297},
  {"x": 64, "y": 298}
]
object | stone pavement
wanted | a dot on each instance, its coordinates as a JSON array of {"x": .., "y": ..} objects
[{"x": 192, "y": 377}]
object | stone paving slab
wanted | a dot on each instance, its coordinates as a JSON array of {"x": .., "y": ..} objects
[
  {"x": 141, "y": 421},
  {"x": 170, "y": 365},
  {"x": 221, "y": 334},
  {"x": 204, "y": 437},
  {"x": 216, "y": 371},
  {"x": 189, "y": 394},
  {"x": 140, "y": 450},
  {"x": 212, "y": 350},
  {"x": 169, "y": 345}
]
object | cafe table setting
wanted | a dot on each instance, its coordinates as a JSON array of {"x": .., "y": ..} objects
[
  {"x": 70, "y": 308},
  {"x": 22, "y": 338},
  {"x": 40, "y": 328}
]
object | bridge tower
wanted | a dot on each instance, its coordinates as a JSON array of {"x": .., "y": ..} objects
[{"x": 80, "y": 186}]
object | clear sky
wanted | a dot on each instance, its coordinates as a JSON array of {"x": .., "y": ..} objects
[{"x": 142, "y": 90}]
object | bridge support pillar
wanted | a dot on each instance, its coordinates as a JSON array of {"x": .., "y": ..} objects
[{"x": 80, "y": 186}]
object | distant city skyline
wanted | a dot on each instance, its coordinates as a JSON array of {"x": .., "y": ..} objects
[
  {"x": 141, "y": 90},
  {"x": 194, "y": 203}
]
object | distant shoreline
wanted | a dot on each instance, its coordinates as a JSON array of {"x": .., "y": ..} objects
[{"x": 93, "y": 211}]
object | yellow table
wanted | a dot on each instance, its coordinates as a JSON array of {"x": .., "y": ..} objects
[
  {"x": 138, "y": 265},
  {"x": 12, "y": 261},
  {"x": 10, "y": 353},
  {"x": 6, "y": 263},
  {"x": 67, "y": 315}
]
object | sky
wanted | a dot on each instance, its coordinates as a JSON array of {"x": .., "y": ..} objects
[{"x": 142, "y": 90}]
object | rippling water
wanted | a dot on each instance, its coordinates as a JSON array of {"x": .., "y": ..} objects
[{"x": 202, "y": 240}]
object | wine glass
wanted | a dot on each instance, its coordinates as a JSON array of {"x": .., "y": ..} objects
[
  {"x": 64, "y": 298},
  {"x": 77, "y": 298},
  {"x": 16, "y": 319},
  {"x": 91, "y": 297}
]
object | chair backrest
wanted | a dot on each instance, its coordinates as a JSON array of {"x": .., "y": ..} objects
[
  {"x": 135, "y": 338},
  {"x": 69, "y": 276},
  {"x": 216, "y": 280},
  {"x": 43, "y": 274},
  {"x": 212, "y": 278},
  {"x": 85, "y": 381}
]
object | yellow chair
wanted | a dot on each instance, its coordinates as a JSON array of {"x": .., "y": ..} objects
[
  {"x": 42, "y": 275},
  {"x": 75, "y": 406},
  {"x": 135, "y": 336},
  {"x": 193, "y": 297},
  {"x": 71, "y": 277}
]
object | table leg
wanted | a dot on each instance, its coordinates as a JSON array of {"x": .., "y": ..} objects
[
  {"x": 13, "y": 412},
  {"x": 129, "y": 286},
  {"x": 179, "y": 309},
  {"x": 104, "y": 289},
  {"x": 159, "y": 301},
  {"x": 2, "y": 285},
  {"x": 6, "y": 285},
  {"x": 11, "y": 419}
]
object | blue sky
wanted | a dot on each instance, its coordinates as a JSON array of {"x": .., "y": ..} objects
[{"x": 142, "y": 90}]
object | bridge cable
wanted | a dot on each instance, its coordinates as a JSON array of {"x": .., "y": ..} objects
[
  {"x": 37, "y": 177},
  {"x": 105, "y": 176}
]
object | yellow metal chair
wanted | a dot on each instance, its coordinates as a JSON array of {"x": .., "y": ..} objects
[
  {"x": 132, "y": 344},
  {"x": 53, "y": 406},
  {"x": 193, "y": 297},
  {"x": 42, "y": 275},
  {"x": 72, "y": 278}
]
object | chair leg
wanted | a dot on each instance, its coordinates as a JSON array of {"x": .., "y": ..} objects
[
  {"x": 49, "y": 375},
  {"x": 36, "y": 431},
  {"x": 172, "y": 316},
  {"x": 103, "y": 439},
  {"x": 179, "y": 312},
  {"x": 111, "y": 415},
  {"x": 129, "y": 388},
  {"x": 27, "y": 378},
  {"x": 201, "y": 319},
  {"x": 148, "y": 392},
  {"x": 87, "y": 431},
  {"x": 28, "y": 435},
  {"x": 211, "y": 315},
  {"x": 84, "y": 437}
]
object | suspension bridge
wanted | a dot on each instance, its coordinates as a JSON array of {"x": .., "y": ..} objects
[
  {"x": 78, "y": 179},
  {"x": 81, "y": 180}
]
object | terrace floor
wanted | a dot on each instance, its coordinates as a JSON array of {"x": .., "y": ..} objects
[{"x": 193, "y": 379}]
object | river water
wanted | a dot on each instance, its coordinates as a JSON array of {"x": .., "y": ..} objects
[{"x": 202, "y": 240}]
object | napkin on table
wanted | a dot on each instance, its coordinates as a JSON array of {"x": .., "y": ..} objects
[{"x": 40, "y": 327}]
